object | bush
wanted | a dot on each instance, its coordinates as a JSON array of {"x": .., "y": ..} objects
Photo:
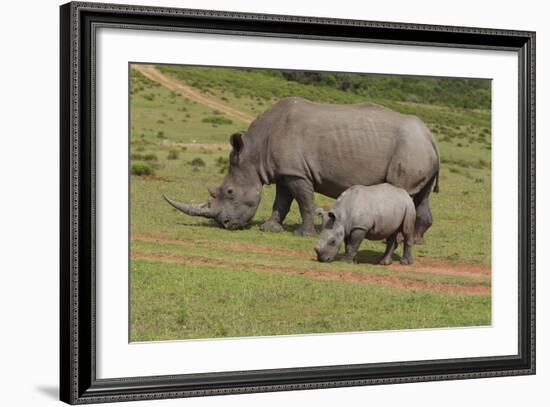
[
  {"x": 197, "y": 162},
  {"x": 140, "y": 169},
  {"x": 223, "y": 164},
  {"x": 482, "y": 164},
  {"x": 150, "y": 157},
  {"x": 217, "y": 120},
  {"x": 173, "y": 155},
  {"x": 144, "y": 157}
]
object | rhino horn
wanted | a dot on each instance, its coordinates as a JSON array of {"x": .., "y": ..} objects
[{"x": 202, "y": 209}]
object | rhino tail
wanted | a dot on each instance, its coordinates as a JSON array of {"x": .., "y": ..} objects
[{"x": 436, "y": 187}]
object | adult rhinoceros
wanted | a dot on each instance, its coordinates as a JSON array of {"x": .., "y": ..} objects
[{"x": 304, "y": 147}]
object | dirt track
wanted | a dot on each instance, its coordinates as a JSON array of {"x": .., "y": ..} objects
[
  {"x": 386, "y": 281},
  {"x": 423, "y": 265},
  {"x": 187, "y": 91}
]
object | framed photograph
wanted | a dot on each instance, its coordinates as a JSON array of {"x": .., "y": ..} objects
[{"x": 254, "y": 203}]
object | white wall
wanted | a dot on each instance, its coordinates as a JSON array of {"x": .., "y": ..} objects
[{"x": 29, "y": 202}]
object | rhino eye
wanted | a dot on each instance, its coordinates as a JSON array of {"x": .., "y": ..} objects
[
  {"x": 229, "y": 191},
  {"x": 332, "y": 242}
]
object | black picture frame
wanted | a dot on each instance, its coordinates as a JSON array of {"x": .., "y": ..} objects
[{"x": 78, "y": 382}]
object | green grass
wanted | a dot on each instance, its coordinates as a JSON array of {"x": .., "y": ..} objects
[
  {"x": 170, "y": 301},
  {"x": 174, "y": 301}
]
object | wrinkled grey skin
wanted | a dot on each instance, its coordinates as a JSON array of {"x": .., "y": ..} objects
[
  {"x": 375, "y": 212},
  {"x": 305, "y": 147}
]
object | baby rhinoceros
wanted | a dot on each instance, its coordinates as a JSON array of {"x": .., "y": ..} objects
[{"x": 376, "y": 212}]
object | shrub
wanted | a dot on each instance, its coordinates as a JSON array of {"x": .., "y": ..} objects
[
  {"x": 217, "y": 120},
  {"x": 160, "y": 134},
  {"x": 197, "y": 162},
  {"x": 150, "y": 157},
  {"x": 140, "y": 169},
  {"x": 173, "y": 155},
  {"x": 223, "y": 164},
  {"x": 482, "y": 164},
  {"x": 144, "y": 157}
]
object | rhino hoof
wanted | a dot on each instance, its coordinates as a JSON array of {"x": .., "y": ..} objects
[
  {"x": 271, "y": 226},
  {"x": 406, "y": 261},
  {"x": 385, "y": 262}
]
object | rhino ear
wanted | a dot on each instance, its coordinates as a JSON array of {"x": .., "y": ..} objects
[
  {"x": 322, "y": 214},
  {"x": 236, "y": 141},
  {"x": 330, "y": 218}
]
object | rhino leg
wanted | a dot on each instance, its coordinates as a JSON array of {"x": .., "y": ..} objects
[
  {"x": 352, "y": 245},
  {"x": 408, "y": 238},
  {"x": 391, "y": 245},
  {"x": 281, "y": 206},
  {"x": 423, "y": 213},
  {"x": 302, "y": 190},
  {"x": 423, "y": 220}
]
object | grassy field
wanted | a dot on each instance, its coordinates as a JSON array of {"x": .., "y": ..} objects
[{"x": 190, "y": 279}]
